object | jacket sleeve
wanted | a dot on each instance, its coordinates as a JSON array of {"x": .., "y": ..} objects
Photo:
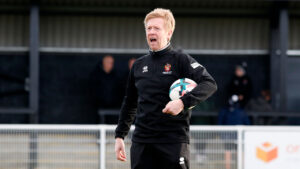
[
  {"x": 128, "y": 108},
  {"x": 206, "y": 85}
]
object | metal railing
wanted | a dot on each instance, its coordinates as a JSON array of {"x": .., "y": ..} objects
[{"x": 92, "y": 146}]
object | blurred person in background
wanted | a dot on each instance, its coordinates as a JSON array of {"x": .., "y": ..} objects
[
  {"x": 240, "y": 89},
  {"x": 233, "y": 114},
  {"x": 105, "y": 84},
  {"x": 125, "y": 75},
  {"x": 240, "y": 85},
  {"x": 161, "y": 136},
  {"x": 131, "y": 62},
  {"x": 260, "y": 104}
]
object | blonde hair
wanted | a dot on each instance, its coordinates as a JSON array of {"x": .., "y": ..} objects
[{"x": 165, "y": 14}]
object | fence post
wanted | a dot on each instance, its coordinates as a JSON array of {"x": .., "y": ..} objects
[
  {"x": 33, "y": 149},
  {"x": 240, "y": 147},
  {"x": 102, "y": 146}
]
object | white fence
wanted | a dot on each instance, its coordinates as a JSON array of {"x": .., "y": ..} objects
[{"x": 92, "y": 146}]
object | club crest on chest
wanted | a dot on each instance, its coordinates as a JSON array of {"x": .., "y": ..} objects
[{"x": 167, "y": 69}]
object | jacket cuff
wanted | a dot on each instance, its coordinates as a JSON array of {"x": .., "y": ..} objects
[
  {"x": 186, "y": 101},
  {"x": 118, "y": 135}
]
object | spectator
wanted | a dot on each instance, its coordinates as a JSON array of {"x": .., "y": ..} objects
[
  {"x": 130, "y": 62},
  {"x": 233, "y": 114},
  {"x": 240, "y": 86},
  {"x": 105, "y": 84},
  {"x": 261, "y": 103},
  {"x": 124, "y": 77}
]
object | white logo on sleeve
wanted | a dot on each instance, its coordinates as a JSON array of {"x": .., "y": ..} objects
[
  {"x": 195, "y": 65},
  {"x": 145, "y": 69},
  {"x": 181, "y": 160}
]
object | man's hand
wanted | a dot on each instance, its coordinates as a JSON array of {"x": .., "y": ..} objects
[
  {"x": 120, "y": 149},
  {"x": 174, "y": 107}
]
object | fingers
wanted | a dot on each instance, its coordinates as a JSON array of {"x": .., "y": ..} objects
[
  {"x": 121, "y": 155},
  {"x": 173, "y": 107},
  {"x": 165, "y": 110},
  {"x": 120, "y": 149},
  {"x": 168, "y": 110}
]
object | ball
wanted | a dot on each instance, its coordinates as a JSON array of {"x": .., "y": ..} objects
[{"x": 180, "y": 87}]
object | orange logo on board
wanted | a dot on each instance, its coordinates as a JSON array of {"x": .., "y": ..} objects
[{"x": 266, "y": 152}]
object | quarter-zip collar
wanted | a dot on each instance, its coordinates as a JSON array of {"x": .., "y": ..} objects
[{"x": 162, "y": 51}]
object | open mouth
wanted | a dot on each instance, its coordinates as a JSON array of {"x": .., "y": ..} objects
[{"x": 153, "y": 40}]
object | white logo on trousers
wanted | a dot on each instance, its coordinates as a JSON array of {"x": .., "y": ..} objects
[{"x": 181, "y": 160}]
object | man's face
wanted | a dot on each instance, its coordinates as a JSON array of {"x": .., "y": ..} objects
[
  {"x": 108, "y": 64},
  {"x": 239, "y": 72},
  {"x": 156, "y": 34}
]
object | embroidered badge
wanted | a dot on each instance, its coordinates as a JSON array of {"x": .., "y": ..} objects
[
  {"x": 145, "y": 69},
  {"x": 167, "y": 69}
]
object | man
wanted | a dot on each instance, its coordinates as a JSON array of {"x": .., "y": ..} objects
[
  {"x": 240, "y": 86},
  {"x": 104, "y": 85},
  {"x": 108, "y": 63},
  {"x": 161, "y": 136},
  {"x": 124, "y": 76},
  {"x": 131, "y": 62}
]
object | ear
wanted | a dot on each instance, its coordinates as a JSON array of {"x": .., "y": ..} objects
[{"x": 170, "y": 33}]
